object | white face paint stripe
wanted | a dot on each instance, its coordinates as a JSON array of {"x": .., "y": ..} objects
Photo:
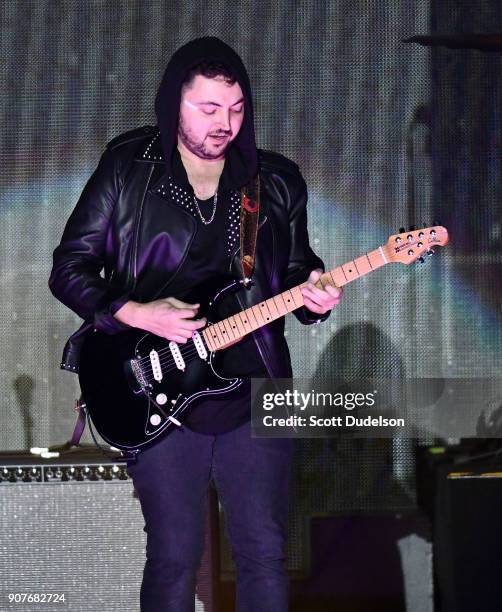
[
  {"x": 195, "y": 107},
  {"x": 190, "y": 105}
]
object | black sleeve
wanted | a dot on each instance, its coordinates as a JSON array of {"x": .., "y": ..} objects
[
  {"x": 302, "y": 259},
  {"x": 78, "y": 260}
]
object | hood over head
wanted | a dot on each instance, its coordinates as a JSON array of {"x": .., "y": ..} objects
[{"x": 167, "y": 101}]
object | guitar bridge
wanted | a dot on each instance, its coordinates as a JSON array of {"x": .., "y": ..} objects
[{"x": 138, "y": 373}]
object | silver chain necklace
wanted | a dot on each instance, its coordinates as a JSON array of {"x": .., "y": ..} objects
[{"x": 215, "y": 201}]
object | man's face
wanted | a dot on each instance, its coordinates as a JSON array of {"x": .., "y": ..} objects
[{"x": 211, "y": 115}]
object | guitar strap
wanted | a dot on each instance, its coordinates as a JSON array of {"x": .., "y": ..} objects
[{"x": 250, "y": 209}]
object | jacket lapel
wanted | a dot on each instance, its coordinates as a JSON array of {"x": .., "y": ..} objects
[{"x": 164, "y": 238}]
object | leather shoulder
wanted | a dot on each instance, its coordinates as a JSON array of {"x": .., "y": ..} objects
[
  {"x": 131, "y": 136},
  {"x": 276, "y": 163}
]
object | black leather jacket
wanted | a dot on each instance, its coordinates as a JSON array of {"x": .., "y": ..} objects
[{"x": 139, "y": 238}]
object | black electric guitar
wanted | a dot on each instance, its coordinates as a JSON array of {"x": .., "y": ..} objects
[{"x": 136, "y": 385}]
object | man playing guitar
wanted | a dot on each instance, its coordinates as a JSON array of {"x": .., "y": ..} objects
[{"x": 162, "y": 215}]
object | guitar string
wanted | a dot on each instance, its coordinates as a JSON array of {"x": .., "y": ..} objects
[
  {"x": 167, "y": 352},
  {"x": 150, "y": 378},
  {"x": 162, "y": 352},
  {"x": 166, "y": 361},
  {"x": 167, "y": 356},
  {"x": 167, "y": 349},
  {"x": 188, "y": 354}
]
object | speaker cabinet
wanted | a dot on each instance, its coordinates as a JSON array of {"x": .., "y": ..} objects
[
  {"x": 75, "y": 527},
  {"x": 468, "y": 538}
]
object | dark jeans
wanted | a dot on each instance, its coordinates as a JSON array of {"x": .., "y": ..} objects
[{"x": 252, "y": 478}]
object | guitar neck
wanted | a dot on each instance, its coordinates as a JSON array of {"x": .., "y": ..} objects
[{"x": 232, "y": 329}]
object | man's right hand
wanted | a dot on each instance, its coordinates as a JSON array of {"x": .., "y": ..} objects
[{"x": 168, "y": 318}]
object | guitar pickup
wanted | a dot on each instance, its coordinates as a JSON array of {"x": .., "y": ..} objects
[
  {"x": 156, "y": 367},
  {"x": 177, "y": 356},
  {"x": 199, "y": 345}
]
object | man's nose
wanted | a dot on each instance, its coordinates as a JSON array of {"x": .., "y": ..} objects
[{"x": 224, "y": 119}]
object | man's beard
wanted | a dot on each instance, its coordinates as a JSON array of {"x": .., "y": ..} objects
[{"x": 199, "y": 148}]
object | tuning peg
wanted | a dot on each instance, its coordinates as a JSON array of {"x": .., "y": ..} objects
[
  {"x": 402, "y": 230},
  {"x": 413, "y": 228},
  {"x": 430, "y": 252},
  {"x": 420, "y": 260}
]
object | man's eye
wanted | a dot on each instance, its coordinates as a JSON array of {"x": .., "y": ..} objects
[
  {"x": 208, "y": 112},
  {"x": 239, "y": 110}
]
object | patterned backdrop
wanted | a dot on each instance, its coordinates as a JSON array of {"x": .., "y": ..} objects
[{"x": 387, "y": 134}]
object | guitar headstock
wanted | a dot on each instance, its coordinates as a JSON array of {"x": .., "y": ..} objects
[{"x": 408, "y": 247}]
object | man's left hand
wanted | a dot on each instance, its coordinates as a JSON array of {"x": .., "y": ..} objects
[{"x": 320, "y": 300}]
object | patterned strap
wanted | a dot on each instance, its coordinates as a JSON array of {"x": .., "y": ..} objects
[{"x": 250, "y": 208}]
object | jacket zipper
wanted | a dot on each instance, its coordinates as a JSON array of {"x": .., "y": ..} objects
[{"x": 137, "y": 219}]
